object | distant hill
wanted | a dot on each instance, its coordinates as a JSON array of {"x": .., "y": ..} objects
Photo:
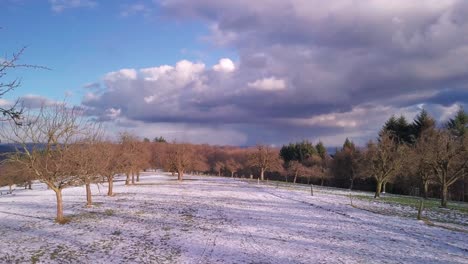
[{"x": 5, "y": 148}]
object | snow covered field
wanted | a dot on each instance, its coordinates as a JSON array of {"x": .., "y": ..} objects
[{"x": 214, "y": 220}]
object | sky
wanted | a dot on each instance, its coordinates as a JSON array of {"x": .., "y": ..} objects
[{"x": 241, "y": 72}]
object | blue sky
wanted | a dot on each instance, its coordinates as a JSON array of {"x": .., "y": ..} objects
[
  {"x": 82, "y": 44},
  {"x": 243, "y": 72}
]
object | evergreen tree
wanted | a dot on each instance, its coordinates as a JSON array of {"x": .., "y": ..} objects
[
  {"x": 458, "y": 125},
  {"x": 422, "y": 122},
  {"x": 321, "y": 150},
  {"x": 398, "y": 128},
  {"x": 404, "y": 130},
  {"x": 349, "y": 145},
  {"x": 299, "y": 151}
]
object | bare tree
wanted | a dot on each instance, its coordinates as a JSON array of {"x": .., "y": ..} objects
[
  {"x": 199, "y": 161},
  {"x": 42, "y": 146},
  {"x": 265, "y": 158},
  {"x": 218, "y": 167},
  {"x": 111, "y": 162},
  {"x": 13, "y": 173},
  {"x": 383, "y": 160},
  {"x": 7, "y": 64},
  {"x": 319, "y": 166},
  {"x": 296, "y": 169},
  {"x": 232, "y": 165},
  {"x": 130, "y": 145},
  {"x": 180, "y": 157},
  {"x": 447, "y": 156},
  {"x": 418, "y": 165},
  {"x": 83, "y": 160}
]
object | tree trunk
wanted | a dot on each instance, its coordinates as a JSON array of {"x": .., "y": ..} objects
[
  {"x": 127, "y": 180},
  {"x": 295, "y": 177},
  {"x": 232, "y": 174},
  {"x": 10, "y": 188},
  {"x": 29, "y": 185},
  {"x": 262, "y": 174},
  {"x": 89, "y": 201},
  {"x": 138, "y": 176},
  {"x": 384, "y": 186},
  {"x": 378, "y": 189},
  {"x": 426, "y": 189},
  {"x": 219, "y": 173},
  {"x": 58, "y": 194},
  {"x": 180, "y": 175},
  {"x": 444, "y": 195},
  {"x": 321, "y": 181},
  {"x": 351, "y": 184},
  {"x": 110, "y": 181},
  {"x": 173, "y": 173},
  {"x": 133, "y": 177}
]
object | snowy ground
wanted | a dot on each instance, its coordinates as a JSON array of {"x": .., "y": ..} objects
[{"x": 214, "y": 220}]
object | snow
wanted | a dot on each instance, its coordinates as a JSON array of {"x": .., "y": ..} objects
[{"x": 214, "y": 220}]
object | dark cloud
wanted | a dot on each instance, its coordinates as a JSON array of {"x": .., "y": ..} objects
[{"x": 315, "y": 69}]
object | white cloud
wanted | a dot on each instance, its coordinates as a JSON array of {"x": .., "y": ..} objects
[
  {"x": 60, "y": 5},
  {"x": 124, "y": 74},
  {"x": 268, "y": 84},
  {"x": 149, "y": 99},
  {"x": 154, "y": 73},
  {"x": 113, "y": 113},
  {"x": 5, "y": 103},
  {"x": 224, "y": 65},
  {"x": 447, "y": 112},
  {"x": 88, "y": 97},
  {"x": 135, "y": 9}
]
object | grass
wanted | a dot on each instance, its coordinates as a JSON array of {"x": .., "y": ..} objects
[
  {"x": 35, "y": 258},
  {"x": 109, "y": 212},
  {"x": 432, "y": 204},
  {"x": 453, "y": 214}
]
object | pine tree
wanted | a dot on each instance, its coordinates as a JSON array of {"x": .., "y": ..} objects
[
  {"x": 398, "y": 128},
  {"x": 458, "y": 125},
  {"x": 349, "y": 145},
  {"x": 422, "y": 122},
  {"x": 299, "y": 151},
  {"x": 404, "y": 130},
  {"x": 321, "y": 150}
]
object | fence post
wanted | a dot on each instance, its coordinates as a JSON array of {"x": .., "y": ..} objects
[{"x": 420, "y": 208}]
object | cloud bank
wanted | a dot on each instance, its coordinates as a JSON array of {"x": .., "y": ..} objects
[{"x": 306, "y": 69}]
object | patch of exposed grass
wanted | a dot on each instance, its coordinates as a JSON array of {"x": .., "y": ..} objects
[
  {"x": 432, "y": 204},
  {"x": 109, "y": 212},
  {"x": 55, "y": 253},
  {"x": 36, "y": 256}
]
